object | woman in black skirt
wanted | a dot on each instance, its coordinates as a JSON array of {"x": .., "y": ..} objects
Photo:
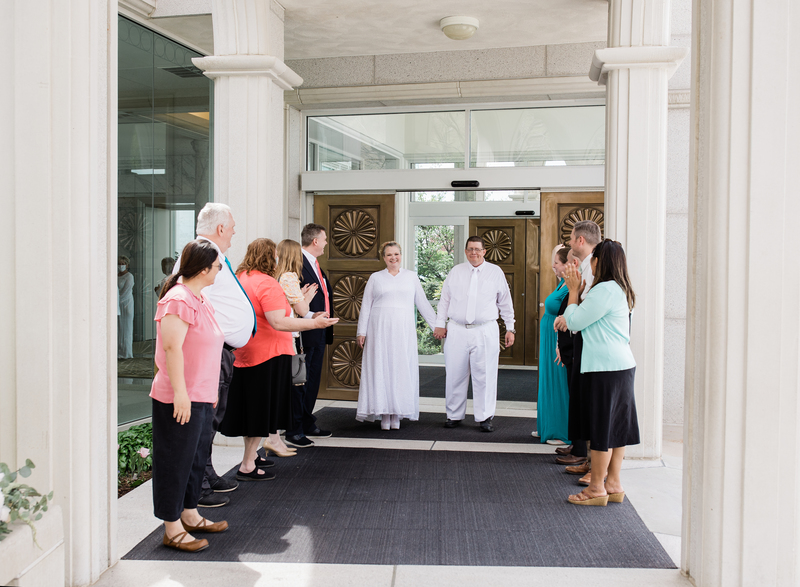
[
  {"x": 258, "y": 398},
  {"x": 608, "y": 410}
]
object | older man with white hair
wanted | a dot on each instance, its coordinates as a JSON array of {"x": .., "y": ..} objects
[{"x": 237, "y": 320}]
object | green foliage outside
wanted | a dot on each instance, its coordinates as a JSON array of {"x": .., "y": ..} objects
[
  {"x": 435, "y": 253},
  {"x": 20, "y": 501},
  {"x": 133, "y": 451}
]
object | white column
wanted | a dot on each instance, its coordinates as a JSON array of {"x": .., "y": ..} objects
[
  {"x": 635, "y": 69},
  {"x": 58, "y": 235},
  {"x": 742, "y": 440},
  {"x": 249, "y": 80}
]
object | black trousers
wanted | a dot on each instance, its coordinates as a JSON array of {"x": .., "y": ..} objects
[
  {"x": 304, "y": 397},
  {"x": 179, "y": 456},
  {"x": 574, "y": 385},
  {"x": 225, "y": 376}
]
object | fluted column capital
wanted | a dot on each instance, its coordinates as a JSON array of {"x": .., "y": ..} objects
[
  {"x": 614, "y": 58},
  {"x": 215, "y": 66}
]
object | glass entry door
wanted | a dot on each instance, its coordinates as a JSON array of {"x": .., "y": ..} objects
[{"x": 438, "y": 245}]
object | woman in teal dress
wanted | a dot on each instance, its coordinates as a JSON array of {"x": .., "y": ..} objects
[{"x": 553, "y": 402}]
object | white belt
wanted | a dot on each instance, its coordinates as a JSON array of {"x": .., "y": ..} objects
[{"x": 474, "y": 325}]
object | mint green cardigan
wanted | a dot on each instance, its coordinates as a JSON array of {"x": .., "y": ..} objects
[{"x": 603, "y": 321}]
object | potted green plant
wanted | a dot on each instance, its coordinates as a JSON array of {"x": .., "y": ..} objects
[{"x": 20, "y": 502}]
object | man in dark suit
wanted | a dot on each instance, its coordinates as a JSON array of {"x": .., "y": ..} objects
[{"x": 304, "y": 426}]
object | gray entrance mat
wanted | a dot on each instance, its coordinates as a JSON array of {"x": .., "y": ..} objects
[
  {"x": 407, "y": 507},
  {"x": 430, "y": 426},
  {"x": 513, "y": 385}
]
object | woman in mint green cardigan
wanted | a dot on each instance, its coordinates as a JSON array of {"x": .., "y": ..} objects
[{"x": 608, "y": 409}]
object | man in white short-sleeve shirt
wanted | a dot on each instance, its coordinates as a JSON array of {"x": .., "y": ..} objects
[{"x": 473, "y": 295}]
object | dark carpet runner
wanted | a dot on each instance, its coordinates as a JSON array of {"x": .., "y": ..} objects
[{"x": 407, "y": 507}]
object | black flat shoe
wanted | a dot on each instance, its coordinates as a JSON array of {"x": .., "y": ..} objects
[
  {"x": 452, "y": 423},
  {"x": 298, "y": 441},
  {"x": 486, "y": 425},
  {"x": 255, "y": 475},
  {"x": 264, "y": 463}
]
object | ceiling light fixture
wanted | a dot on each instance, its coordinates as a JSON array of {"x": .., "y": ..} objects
[{"x": 459, "y": 28}]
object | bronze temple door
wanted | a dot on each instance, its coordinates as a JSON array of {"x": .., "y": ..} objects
[
  {"x": 513, "y": 245},
  {"x": 560, "y": 212},
  {"x": 356, "y": 226}
]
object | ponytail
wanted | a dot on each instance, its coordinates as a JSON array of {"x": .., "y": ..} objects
[{"x": 169, "y": 284}]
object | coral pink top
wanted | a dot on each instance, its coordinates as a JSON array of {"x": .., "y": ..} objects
[
  {"x": 267, "y": 295},
  {"x": 202, "y": 347}
]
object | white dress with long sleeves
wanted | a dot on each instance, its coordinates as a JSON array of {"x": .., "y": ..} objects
[
  {"x": 125, "y": 317},
  {"x": 390, "y": 369}
]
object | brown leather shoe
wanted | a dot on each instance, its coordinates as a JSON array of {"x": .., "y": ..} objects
[
  {"x": 579, "y": 469},
  {"x": 191, "y": 546},
  {"x": 570, "y": 460},
  {"x": 206, "y": 526},
  {"x": 564, "y": 450}
]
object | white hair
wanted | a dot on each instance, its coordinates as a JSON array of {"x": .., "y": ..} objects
[{"x": 211, "y": 216}]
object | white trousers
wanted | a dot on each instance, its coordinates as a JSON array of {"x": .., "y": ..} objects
[
  {"x": 125, "y": 330},
  {"x": 474, "y": 351}
]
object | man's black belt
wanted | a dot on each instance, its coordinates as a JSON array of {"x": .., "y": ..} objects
[{"x": 228, "y": 347}]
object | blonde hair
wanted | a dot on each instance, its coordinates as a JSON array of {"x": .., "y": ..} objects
[
  {"x": 387, "y": 244},
  {"x": 290, "y": 258}
]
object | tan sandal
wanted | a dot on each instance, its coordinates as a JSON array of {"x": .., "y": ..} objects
[
  {"x": 616, "y": 497},
  {"x": 289, "y": 452},
  {"x": 191, "y": 546},
  {"x": 206, "y": 526},
  {"x": 598, "y": 500}
]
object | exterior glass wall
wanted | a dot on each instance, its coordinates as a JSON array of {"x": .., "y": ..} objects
[
  {"x": 386, "y": 141},
  {"x": 526, "y": 137},
  {"x": 511, "y": 137},
  {"x": 164, "y": 179}
]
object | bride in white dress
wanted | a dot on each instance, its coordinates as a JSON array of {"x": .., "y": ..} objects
[{"x": 387, "y": 332}]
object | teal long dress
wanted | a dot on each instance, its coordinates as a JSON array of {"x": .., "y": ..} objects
[{"x": 553, "y": 402}]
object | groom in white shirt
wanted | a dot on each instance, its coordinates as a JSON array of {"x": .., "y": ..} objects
[{"x": 473, "y": 295}]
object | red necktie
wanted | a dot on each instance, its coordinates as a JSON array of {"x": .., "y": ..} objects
[{"x": 324, "y": 288}]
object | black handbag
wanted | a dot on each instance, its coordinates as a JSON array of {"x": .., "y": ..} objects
[{"x": 299, "y": 367}]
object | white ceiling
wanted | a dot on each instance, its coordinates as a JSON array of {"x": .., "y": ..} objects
[{"x": 338, "y": 28}]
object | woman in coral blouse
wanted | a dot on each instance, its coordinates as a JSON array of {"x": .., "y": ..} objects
[
  {"x": 258, "y": 398},
  {"x": 188, "y": 347}
]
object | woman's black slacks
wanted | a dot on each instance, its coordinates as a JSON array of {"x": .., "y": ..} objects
[{"x": 180, "y": 453}]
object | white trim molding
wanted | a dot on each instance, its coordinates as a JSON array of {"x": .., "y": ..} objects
[
  {"x": 167, "y": 8},
  {"x": 679, "y": 99},
  {"x": 612, "y": 58},
  {"x": 540, "y": 86},
  {"x": 215, "y": 66},
  {"x": 578, "y": 177},
  {"x": 144, "y": 8}
]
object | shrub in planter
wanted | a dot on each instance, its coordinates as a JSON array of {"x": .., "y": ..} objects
[{"x": 135, "y": 445}]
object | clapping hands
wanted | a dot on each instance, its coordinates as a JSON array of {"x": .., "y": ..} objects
[
  {"x": 572, "y": 278},
  {"x": 309, "y": 291}
]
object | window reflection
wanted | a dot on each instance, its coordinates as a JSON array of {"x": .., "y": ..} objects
[
  {"x": 386, "y": 141},
  {"x": 163, "y": 179},
  {"x": 526, "y": 137}
]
